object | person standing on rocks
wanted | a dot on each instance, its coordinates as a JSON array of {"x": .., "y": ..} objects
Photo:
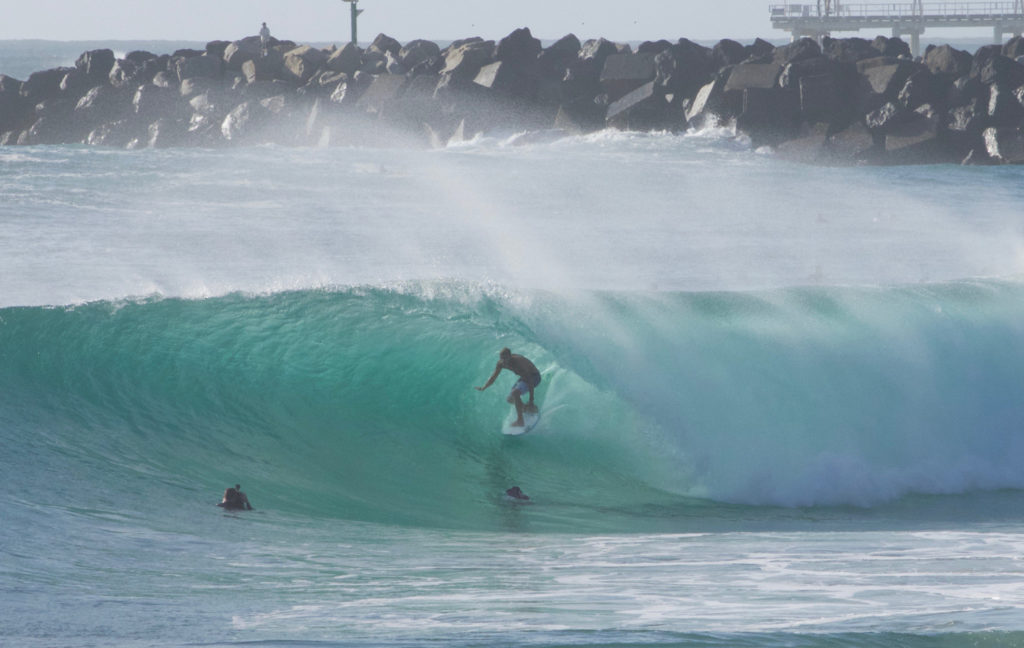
[{"x": 264, "y": 39}]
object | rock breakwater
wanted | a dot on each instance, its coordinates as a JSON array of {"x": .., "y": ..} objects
[{"x": 846, "y": 101}]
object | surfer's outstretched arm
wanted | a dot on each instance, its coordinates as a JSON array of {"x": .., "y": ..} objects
[{"x": 490, "y": 381}]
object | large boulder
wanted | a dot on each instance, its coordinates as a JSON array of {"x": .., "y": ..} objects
[
  {"x": 1014, "y": 48},
  {"x": 265, "y": 68},
  {"x": 208, "y": 112},
  {"x": 815, "y": 66},
  {"x": 103, "y": 103},
  {"x": 809, "y": 145},
  {"x": 10, "y": 84},
  {"x": 752, "y": 89},
  {"x": 417, "y": 52},
  {"x": 301, "y": 63},
  {"x": 119, "y": 133},
  {"x": 892, "y": 47},
  {"x": 122, "y": 73},
  {"x": 820, "y": 98},
  {"x": 768, "y": 115},
  {"x": 966, "y": 90},
  {"x": 709, "y": 104},
  {"x": 198, "y": 67},
  {"x": 683, "y": 69},
  {"x": 374, "y": 62},
  {"x": 519, "y": 48},
  {"x": 922, "y": 88},
  {"x": 507, "y": 79},
  {"x": 983, "y": 56},
  {"x": 382, "y": 95},
  {"x": 727, "y": 52},
  {"x": 195, "y": 86},
  {"x": 151, "y": 102},
  {"x": 16, "y": 112},
  {"x": 1005, "y": 145},
  {"x": 245, "y": 123},
  {"x": 463, "y": 62},
  {"x": 44, "y": 85},
  {"x": 881, "y": 80},
  {"x": 849, "y": 50},
  {"x": 347, "y": 93},
  {"x": 393, "y": 66},
  {"x": 53, "y": 124},
  {"x": 596, "y": 51},
  {"x": 1004, "y": 107},
  {"x": 240, "y": 51},
  {"x": 323, "y": 84},
  {"x": 623, "y": 73},
  {"x": 345, "y": 59},
  {"x": 918, "y": 139},
  {"x": 579, "y": 80},
  {"x": 887, "y": 118},
  {"x": 286, "y": 115},
  {"x": 135, "y": 69},
  {"x": 761, "y": 76},
  {"x": 761, "y": 49},
  {"x": 800, "y": 50},
  {"x": 580, "y": 116},
  {"x": 140, "y": 57},
  {"x": 555, "y": 60},
  {"x": 384, "y": 44},
  {"x": 96, "y": 64},
  {"x": 999, "y": 69},
  {"x": 416, "y": 104},
  {"x": 968, "y": 118},
  {"x": 855, "y": 144},
  {"x": 947, "y": 61},
  {"x": 166, "y": 132},
  {"x": 76, "y": 83},
  {"x": 653, "y": 47},
  {"x": 260, "y": 90},
  {"x": 644, "y": 108},
  {"x": 165, "y": 79},
  {"x": 964, "y": 128},
  {"x": 215, "y": 49}
]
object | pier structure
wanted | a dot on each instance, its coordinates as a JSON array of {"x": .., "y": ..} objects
[{"x": 911, "y": 19}]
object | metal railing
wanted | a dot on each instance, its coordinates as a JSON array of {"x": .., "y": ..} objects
[{"x": 900, "y": 10}]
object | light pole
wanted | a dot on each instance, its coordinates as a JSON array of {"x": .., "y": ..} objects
[{"x": 355, "y": 14}]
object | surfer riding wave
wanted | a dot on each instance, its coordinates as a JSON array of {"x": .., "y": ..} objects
[{"x": 529, "y": 378}]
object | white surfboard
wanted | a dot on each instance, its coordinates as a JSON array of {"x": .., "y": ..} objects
[{"x": 530, "y": 420}]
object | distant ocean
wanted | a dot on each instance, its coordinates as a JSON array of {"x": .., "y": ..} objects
[{"x": 781, "y": 405}]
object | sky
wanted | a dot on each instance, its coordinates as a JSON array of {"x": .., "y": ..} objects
[{"x": 328, "y": 20}]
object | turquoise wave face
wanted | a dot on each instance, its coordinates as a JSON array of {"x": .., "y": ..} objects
[{"x": 659, "y": 410}]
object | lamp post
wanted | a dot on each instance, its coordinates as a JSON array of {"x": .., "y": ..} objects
[{"x": 355, "y": 14}]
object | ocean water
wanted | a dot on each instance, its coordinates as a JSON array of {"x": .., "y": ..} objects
[{"x": 782, "y": 405}]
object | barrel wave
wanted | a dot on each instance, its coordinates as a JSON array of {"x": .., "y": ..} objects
[{"x": 659, "y": 409}]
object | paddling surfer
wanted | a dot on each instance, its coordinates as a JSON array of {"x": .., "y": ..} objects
[
  {"x": 235, "y": 500},
  {"x": 529, "y": 378}
]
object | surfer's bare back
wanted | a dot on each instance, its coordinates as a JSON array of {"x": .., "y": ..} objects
[{"x": 529, "y": 378}]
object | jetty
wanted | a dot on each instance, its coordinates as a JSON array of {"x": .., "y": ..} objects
[
  {"x": 903, "y": 19},
  {"x": 840, "y": 101}
]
